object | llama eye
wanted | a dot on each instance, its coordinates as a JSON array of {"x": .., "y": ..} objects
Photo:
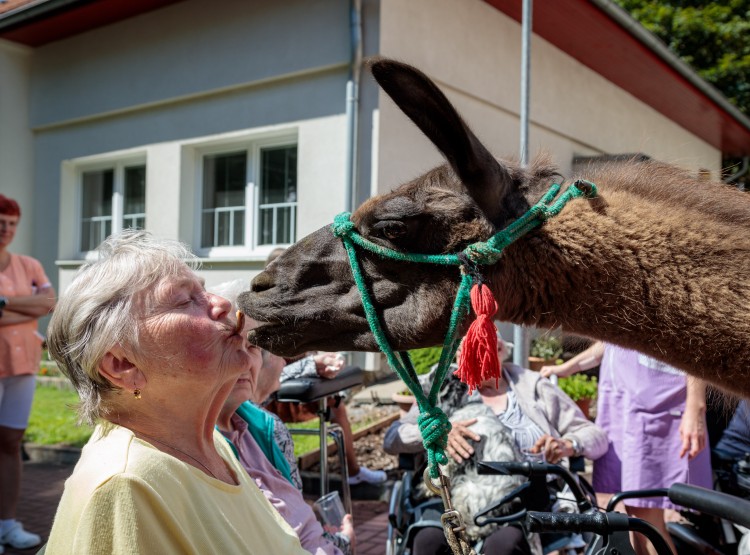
[{"x": 391, "y": 229}]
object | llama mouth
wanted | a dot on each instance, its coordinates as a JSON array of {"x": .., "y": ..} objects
[{"x": 287, "y": 341}]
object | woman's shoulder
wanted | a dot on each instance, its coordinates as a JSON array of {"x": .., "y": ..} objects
[
  {"x": 105, "y": 456},
  {"x": 114, "y": 454},
  {"x": 523, "y": 378},
  {"x": 28, "y": 262}
]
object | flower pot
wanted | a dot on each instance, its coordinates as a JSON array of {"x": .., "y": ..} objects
[
  {"x": 404, "y": 402},
  {"x": 536, "y": 363},
  {"x": 584, "y": 405}
]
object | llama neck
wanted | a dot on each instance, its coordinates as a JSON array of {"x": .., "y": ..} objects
[{"x": 665, "y": 286}]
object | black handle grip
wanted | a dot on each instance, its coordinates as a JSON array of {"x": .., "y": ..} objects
[
  {"x": 537, "y": 470},
  {"x": 602, "y": 524},
  {"x": 598, "y": 523},
  {"x": 507, "y": 468},
  {"x": 711, "y": 502}
]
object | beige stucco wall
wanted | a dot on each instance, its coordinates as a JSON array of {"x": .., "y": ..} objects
[
  {"x": 473, "y": 52},
  {"x": 16, "y": 160}
]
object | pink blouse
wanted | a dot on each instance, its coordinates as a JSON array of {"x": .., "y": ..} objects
[{"x": 21, "y": 344}]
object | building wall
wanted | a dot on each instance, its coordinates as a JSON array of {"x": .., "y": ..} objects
[
  {"x": 166, "y": 85},
  {"x": 473, "y": 52},
  {"x": 16, "y": 166}
]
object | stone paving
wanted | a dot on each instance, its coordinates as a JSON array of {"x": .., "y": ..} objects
[{"x": 42, "y": 486}]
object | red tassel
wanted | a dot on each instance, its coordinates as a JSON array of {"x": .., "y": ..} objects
[{"x": 479, "y": 360}]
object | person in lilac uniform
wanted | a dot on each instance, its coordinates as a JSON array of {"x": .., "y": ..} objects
[{"x": 655, "y": 419}]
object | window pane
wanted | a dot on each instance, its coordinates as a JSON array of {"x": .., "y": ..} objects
[
  {"x": 278, "y": 181},
  {"x": 278, "y": 195},
  {"x": 96, "y": 207},
  {"x": 224, "y": 182},
  {"x": 97, "y": 193},
  {"x": 134, "y": 209}
]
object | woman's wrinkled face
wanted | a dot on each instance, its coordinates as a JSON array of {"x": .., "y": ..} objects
[
  {"x": 246, "y": 383},
  {"x": 268, "y": 378},
  {"x": 190, "y": 333}
]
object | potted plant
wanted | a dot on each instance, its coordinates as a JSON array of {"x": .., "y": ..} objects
[
  {"x": 424, "y": 360},
  {"x": 581, "y": 388},
  {"x": 545, "y": 350}
]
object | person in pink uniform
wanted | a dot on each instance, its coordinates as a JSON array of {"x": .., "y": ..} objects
[
  {"x": 655, "y": 419},
  {"x": 25, "y": 295}
]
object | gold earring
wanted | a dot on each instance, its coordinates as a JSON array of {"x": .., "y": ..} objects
[{"x": 137, "y": 393}]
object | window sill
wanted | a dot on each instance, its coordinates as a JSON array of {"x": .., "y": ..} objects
[{"x": 205, "y": 261}]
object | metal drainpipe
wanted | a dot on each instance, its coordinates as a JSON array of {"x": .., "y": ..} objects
[
  {"x": 521, "y": 333},
  {"x": 352, "y": 103}
]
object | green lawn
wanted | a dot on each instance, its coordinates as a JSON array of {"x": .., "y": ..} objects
[
  {"x": 53, "y": 422},
  {"x": 53, "y": 419},
  {"x": 306, "y": 443}
]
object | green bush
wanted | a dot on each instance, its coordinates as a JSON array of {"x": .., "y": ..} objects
[
  {"x": 425, "y": 359},
  {"x": 546, "y": 347},
  {"x": 579, "y": 386}
]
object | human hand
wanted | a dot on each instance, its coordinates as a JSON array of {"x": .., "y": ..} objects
[
  {"x": 555, "y": 449},
  {"x": 347, "y": 528},
  {"x": 692, "y": 433},
  {"x": 328, "y": 365},
  {"x": 458, "y": 448},
  {"x": 560, "y": 370}
]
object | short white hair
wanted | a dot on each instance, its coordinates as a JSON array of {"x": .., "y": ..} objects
[
  {"x": 97, "y": 311},
  {"x": 230, "y": 290}
]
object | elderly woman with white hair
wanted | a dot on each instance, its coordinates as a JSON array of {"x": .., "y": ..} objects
[{"x": 153, "y": 357}]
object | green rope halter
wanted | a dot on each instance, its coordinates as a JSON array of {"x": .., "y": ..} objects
[{"x": 433, "y": 423}]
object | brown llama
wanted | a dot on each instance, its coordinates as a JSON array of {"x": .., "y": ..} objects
[{"x": 659, "y": 262}]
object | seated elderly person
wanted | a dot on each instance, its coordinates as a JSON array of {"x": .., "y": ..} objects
[
  {"x": 541, "y": 421},
  {"x": 323, "y": 365},
  {"x": 153, "y": 357},
  {"x": 252, "y": 430}
]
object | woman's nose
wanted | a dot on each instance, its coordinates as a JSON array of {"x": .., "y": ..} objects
[{"x": 219, "y": 307}]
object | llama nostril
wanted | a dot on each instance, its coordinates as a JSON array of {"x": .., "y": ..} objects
[{"x": 262, "y": 282}]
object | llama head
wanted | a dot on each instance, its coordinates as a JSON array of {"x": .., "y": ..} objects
[{"x": 307, "y": 298}]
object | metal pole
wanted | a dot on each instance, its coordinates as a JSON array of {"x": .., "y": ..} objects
[
  {"x": 520, "y": 333},
  {"x": 352, "y": 105}
]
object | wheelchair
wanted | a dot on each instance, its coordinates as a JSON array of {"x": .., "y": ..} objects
[{"x": 409, "y": 513}]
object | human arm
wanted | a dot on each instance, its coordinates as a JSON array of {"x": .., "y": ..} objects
[
  {"x": 569, "y": 423},
  {"x": 458, "y": 446},
  {"x": 37, "y": 305},
  {"x": 11, "y": 318},
  {"x": 344, "y": 539},
  {"x": 554, "y": 448},
  {"x": 693, "y": 423},
  {"x": 328, "y": 364},
  {"x": 582, "y": 361},
  {"x": 302, "y": 368},
  {"x": 403, "y": 436}
]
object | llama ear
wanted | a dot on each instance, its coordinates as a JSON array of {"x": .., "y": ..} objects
[{"x": 486, "y": 180}]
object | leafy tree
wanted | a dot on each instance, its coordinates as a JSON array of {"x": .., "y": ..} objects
[{"x": 712, "y": 37}]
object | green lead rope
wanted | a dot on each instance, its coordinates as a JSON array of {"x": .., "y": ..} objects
[{"x": 433, "y": 422}]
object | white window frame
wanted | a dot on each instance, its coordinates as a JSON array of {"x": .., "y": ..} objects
[
  {"x": 252, "y": 146},
  {"x": 118, "y": 166}
]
